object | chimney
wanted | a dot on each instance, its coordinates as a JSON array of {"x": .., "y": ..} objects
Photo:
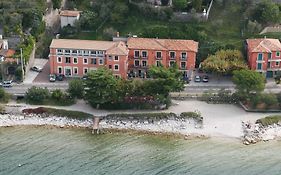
[
  {"x": 117, "y": 34},
  {"x": 264, "y": 37}
]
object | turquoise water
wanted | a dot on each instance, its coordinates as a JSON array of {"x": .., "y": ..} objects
[{"x": 40, "y": 150}]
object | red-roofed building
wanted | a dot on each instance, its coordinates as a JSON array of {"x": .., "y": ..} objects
[
  {"x": 264, "y": 55},
  {"x": 144, "y": 52}
]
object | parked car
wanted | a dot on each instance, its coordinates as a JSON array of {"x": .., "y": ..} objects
[
  {"x": 52, "y": 78},
  {"x": 36, "y": 69},
  {"x": 85, "y": 77},
  {"x": 7, "y": 83},
  {"x": 205, "y": 78},
  {"x": 60, "y": 77},
  {"x": 197, "y": 78}
]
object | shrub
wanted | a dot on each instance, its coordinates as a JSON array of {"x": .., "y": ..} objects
[
  {"x": 196, "y": 115},
  {"x": 37, "y": 94},
  {"x": 76, "y": 88},
  {"x": 57, "y": 94},
  {"x": 269, "y": 120},
  {"x": 269, "y": 99}
]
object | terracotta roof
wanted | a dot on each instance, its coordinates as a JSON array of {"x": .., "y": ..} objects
[
  {"x": 111, "y": 47},
  {"x": 118, "y": 49},
  {"x": 81, "y": 44},
  {"x": 69, "y": 13},
  {"x": 263, "y": 45},
  {"x": 10, "y": 53},
  {"x": 162, "y": 44}
]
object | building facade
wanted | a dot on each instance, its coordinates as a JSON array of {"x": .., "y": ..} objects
[
  {"x": 264, "y": 55},
  {"x": 75, "y": 58},
  {"x": 145, "y": 52},
  {"x": 69, "y": 17}
]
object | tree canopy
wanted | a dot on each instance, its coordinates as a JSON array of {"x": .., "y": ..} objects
[
  {"x": 248, "y": 81},
  {"x": 224, "y": 62},
  {"x": 268, "y": 12}
]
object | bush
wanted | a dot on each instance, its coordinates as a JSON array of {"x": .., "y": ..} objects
[
  {"x": 18, "y": 73},
  {"x": 269, "y": 120},
  {"x": 222, "y": 96},
  {"x": 196, "y": 115},
  {"x": 37, "y": 94},
  {"x": 57, "y": 94},
  {"x": 76, "y": 88},
  {"x": 4, "y": 97},
  {"x": 268, "y": 99}
]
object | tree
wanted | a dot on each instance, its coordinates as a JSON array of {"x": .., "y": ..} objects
[
  {"x": 76, "y": 88},
  {"x": 224, "y": 62},
  {"x": 248, "y": 82},
  {"x": 56, "y": 4},
  {"x": 267, "y": 12},
  {"x": 37, "y": 94},
  {"x": 101, "y": 88},
  {"x": 165, "y": 81},
  {"x": 179, "y": 4}
]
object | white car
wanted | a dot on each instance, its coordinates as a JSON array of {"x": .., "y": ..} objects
[
  {"x": 7, "y": 83},
  {"x": 197, "y": 78},
  {"x": 52, "y": 78}
]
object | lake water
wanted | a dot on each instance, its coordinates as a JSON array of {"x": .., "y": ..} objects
[{"x": 42, "y": 150}]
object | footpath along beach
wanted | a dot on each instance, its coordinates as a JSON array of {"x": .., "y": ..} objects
[{"x": 219, "y": 120}]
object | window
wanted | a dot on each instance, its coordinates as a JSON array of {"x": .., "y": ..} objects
[
  {"x": 110, "y": 66},
  {"x": 158, "y": 54},
  {"x": 75, "y": 70},
  {"x": 74, "y": 52},
  {"x": 277, "y": 63},
  {"x": 79, "y": 52},
  {"x": 59, "y": 51},
  {"x": 93, "y": 52},
  {"x": 172, "y": 63},
  {"x": 183, "y": 65},
  {"x": 101, "y": 62},
  {"x": 67, "y": 60},
  {"x": 67, "y": 71},
  {"x": 110, "y": 57},
  {"x": 86, "y": 53},
  {"x": 172, "y": 54},
  {"x": 269, "y": 64},
  {"x": 85, "y": 61},
  {"x": 183, "y": 55},
  {"x": 137, "y": 54},
  {"x": 278, "y": 53},
  {"x": 60, "y": 70},
  {"x": 158, "y": 63},
  {"x": 260, "y": 57},
  {"x": 259, "y": 66},
  {"x": 144, "y": 54},
  {"x": 269, "y": 56},
  {"x": 85, "y": 70},
  {"x": 59, "y": 59},
  {"x": 67, "y": 52},
  {"x": 75, "y": 60},
  {"x": 116, "y": 58},
  {"x": 116, "y": 67},
  {"x": 144, "y": 63},
  {"x": 93, "y": 61},
  {"x": 137, "y": 63}
]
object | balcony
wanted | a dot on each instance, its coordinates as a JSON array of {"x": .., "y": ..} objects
[
  {"x": 183, "y": 58},
  {"x": 158, "y": 58}
]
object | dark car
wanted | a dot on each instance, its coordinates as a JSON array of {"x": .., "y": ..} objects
[
  {"x": 85, "y": 77},
  {"x": 60, "y": 77},
  {"x": 36, "y": 69},
  {"x": 205, "y": 78}
]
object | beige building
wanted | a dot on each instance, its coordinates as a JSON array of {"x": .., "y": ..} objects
[{"x": 69, "y": 17}]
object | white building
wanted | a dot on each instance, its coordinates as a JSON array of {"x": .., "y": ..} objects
[{"x": 68, "y": 17}]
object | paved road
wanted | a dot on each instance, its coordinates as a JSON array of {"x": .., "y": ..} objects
[{"x": 22, "y": 88}]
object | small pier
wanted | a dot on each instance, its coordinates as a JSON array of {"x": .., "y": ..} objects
[{"x": 96, "y": 122}]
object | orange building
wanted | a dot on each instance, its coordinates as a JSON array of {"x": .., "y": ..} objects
[
  {"x": 264, "y": 55},
  {"x": 74, "y": 58},
  {"x": 144, "y": 52}
]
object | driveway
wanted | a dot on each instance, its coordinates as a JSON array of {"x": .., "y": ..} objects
[{"x": 31, "y": 75}]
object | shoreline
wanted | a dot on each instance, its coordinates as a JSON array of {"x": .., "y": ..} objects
[{"x": 220, "y": 121}]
